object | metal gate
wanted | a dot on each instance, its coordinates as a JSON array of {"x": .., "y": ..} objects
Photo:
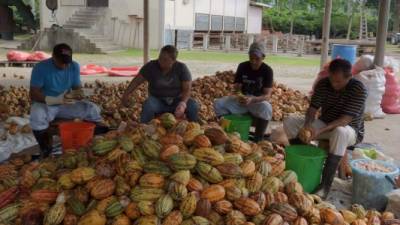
[{"x": 97, "y": 3}]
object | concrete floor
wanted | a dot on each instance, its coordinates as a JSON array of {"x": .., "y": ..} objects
[{"x": 385, "y": 132}]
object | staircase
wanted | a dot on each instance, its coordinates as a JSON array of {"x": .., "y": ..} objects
[{"x": 85, "y": 22}]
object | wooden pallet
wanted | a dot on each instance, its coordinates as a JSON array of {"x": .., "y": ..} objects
[{"x": 17, "y": 64}]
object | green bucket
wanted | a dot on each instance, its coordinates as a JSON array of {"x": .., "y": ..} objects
[
  {"x": 238, "y": 123},
  {"x": 308, "y": 162}
]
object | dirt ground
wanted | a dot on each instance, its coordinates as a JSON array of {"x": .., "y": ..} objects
[{"x": 385, "y": 132}]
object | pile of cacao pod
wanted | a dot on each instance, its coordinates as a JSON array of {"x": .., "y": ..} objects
[{"x": 167, "y": 172}]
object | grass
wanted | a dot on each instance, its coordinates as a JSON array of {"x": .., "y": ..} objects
[{"x": 232, "y": 57}]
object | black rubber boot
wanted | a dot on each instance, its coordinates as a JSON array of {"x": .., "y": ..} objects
[
  {"x": 101, "y": 129},
  {"x": 261, "y": 127},
  {"x": 331, "y": 166},
  {"x": 45, "y": 142}
]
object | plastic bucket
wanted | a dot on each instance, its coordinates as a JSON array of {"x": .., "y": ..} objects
[
  {"x": 348, "y": 52},
  {"x": 308, "y": 162},
  {"x": 370, "y": 188},
  {"x": 75, "y": 135},
  {"x": 238, "y": 123}
]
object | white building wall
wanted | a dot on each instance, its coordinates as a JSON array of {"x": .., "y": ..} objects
[
  {"x": 202, "y": 6},
  {"x": 119, "y": 24},
  {"x": 230, "y": 7},
  {"x": 217, "y": 7},
  {"x": 66, "y": 8},
  {"x": 241, "y": 8},
  {"x": 254, "y": 22},
  {"x": 179, "y": 14}
]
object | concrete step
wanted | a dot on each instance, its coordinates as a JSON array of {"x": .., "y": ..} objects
[
  {"x": 88, "y": 13},
  {"x": 76, "y": 23},
  {"x": 74, "y": 26},
  {"x": 109, "y": 47},
  {"x": 81, "y": 19}
]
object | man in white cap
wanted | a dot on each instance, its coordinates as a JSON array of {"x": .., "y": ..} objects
[{"x": 254, "y": 80}]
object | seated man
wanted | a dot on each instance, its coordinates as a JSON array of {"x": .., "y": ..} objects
[
  {"x": 51, "y": 80},
  {"x": 341, "y": 100},
  {"x": 169, "y": 88},
  {"x": 254, "y": 81}
]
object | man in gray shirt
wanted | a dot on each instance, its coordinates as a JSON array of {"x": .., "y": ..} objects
[{"x": 169, "y": 88}]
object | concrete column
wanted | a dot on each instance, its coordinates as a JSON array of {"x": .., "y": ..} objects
[
  {"x": 287, "y": 43},
  {"x": 325, "y": 33},
  {"x": 384, "y": 8},
  {"x": 274, "y": 44},
  {"x": 301, "y": 46},
  {"x": 205, "y": 42},
  {"x": 191, "y": 36},
  {"x": 146, "y": 36},
  {"x": 227, "y": 46}
]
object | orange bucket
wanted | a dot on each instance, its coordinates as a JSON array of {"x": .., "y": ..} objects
[{"x": 75, "y": 135}]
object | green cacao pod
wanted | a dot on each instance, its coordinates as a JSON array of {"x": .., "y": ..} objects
[
  {"x": 9, "y": 213},
  {"x": 146, "y": 208},
  {"x": 182, "y": 161},
  {"x": 208, "y": 155},
  {"x": 157, "y": 167},
  {"x": 126, "y": 143},
  {"x": 178, "y": 191},
  {"x": 182, "y": 177},
  {"x": 151, "y": 148},
  {"x": 287, "y": 177},
  {"x": 164, "y": 205},
  {"x": 209, "y": 173},
  {"x": 114, "y": 209},
  {"x": 76, "y": 206},
  {"x": 55, "y": 215},
  {"x": 138, "y": 154},
  {"x": 102, "y": 147},
  {"x": 234, "y": 158},
  {"x": 188, "y": 205},
  {"x": 146, "y": 194},
  {"x": 168, "y": 120}
]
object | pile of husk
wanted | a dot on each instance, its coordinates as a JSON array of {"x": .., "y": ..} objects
[{"x": 205, "y": 90}]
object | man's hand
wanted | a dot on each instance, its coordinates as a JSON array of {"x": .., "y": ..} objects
[
  {"x": 308, "y": 134},
  {"x": 125, "y": 101},
  {"x": 246, "y": 100},
  {"x": 180, "y": 110}
]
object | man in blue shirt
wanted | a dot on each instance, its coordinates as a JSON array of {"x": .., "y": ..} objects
[{"x": 55, "y": 91}]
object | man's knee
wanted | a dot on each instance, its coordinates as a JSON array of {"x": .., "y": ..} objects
[
  {"x": 340, "y": 132},
  {"x": 192, "y": 106},
  {"x": 151, "y": 105},
  {"x": 38, "y": 116},
  {"x": 262, "y": 110}
]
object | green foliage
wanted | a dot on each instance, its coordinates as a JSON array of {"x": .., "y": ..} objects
[{"x": 307, "y": 16}]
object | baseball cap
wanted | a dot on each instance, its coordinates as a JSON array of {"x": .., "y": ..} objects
[
  {"x": 257, "y": 49},
  {"x": 63, "y": 52}
]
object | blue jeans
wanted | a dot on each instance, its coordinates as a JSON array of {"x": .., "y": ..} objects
[{"x": 154, "y": 106}]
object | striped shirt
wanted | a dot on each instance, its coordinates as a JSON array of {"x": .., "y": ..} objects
[{"x": 334, "y": 104}]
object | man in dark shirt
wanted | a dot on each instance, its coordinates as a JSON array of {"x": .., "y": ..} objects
[
  {"x": 341, "y": 100},
  {"x": 169, "y": 88},
  {"x": 254, "y": 81}
]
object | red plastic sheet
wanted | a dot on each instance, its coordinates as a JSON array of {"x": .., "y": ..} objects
[
  {"x": 92, "y": 69},
  {"x": 38, "y": 56},
  {"x": 17, "y": 56},
  {"x": 129, "y": 71}
]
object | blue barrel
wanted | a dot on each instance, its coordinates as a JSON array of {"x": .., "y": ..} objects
[
  {"x": 370, "y": 188},
  {"x": 348, "y": 52}
]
